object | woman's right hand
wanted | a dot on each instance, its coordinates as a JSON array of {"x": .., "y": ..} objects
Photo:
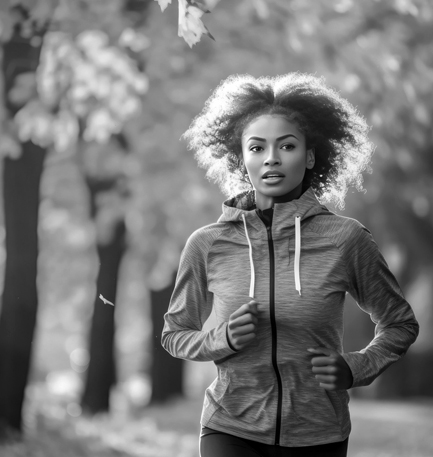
[{"x": 242, "y": 325}]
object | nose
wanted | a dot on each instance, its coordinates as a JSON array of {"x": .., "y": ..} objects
[{"x": 272, "y": 157}]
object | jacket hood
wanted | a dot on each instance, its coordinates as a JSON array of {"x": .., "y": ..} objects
[
  {"x": 305, "y": 206},
  {"x": 242, "y": 208}
]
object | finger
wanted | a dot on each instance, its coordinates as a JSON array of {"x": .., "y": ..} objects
[
  {"x": 243, "y": 320},
  {"x": 249, "y": 317},
  {"x": 244, "y": 330},
  {"x": 252, "y": 307},
  {"x": 326, "y": 379},
  {"x": 321, "y": 361},
  {"x": 328, "y": 386},
  {"x": 329, "y": 369},
  {"x": 240, "y": 311},
  {"x": 244, "y": 340}
]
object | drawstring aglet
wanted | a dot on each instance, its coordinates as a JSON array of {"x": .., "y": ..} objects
[{"x": 297, "y": 253}]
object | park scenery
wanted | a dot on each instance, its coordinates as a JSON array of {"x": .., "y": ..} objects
[{"x": 99, "y": 194}]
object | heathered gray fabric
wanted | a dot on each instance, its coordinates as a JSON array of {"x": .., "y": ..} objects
[{"x": 338, "y": 255}]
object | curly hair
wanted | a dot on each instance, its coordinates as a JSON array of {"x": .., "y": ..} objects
[{"x": 331, "y": 125}]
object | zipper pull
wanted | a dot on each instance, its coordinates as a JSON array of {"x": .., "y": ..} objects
[{"x": 269, "y": 230}]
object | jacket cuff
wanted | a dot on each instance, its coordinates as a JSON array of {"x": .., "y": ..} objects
[{"x": 356, "y": 361}]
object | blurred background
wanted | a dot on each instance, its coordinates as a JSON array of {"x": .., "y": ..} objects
[{"x": 99, "y": 196}]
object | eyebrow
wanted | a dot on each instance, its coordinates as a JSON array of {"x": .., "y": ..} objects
[{"x": 257, "y": 138}]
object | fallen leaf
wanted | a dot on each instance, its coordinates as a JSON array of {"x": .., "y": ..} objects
[{"x": 107, "y": 302}]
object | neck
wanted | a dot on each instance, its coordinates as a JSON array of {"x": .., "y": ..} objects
[{"x": 265, "y": 201}]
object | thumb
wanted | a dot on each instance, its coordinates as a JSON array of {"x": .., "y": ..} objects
[{"x": 253, "y": 307}]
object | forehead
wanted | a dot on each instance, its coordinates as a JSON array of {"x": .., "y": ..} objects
[{"x": 270, "y": 126}]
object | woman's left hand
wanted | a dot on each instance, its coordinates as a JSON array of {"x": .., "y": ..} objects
[{"x": 330, "y": 368}]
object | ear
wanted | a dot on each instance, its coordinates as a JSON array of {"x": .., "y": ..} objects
[{"x": 311, "y": 158}]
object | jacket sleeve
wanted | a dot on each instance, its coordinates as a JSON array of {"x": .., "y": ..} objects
[
  {"x": 377, "y": 293},
  {"x": 190, "y": 306}
]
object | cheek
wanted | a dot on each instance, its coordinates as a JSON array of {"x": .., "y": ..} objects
[{"x": 251, "y": 165}]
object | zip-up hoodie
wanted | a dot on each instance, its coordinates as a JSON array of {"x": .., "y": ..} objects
[{"x": 299, "y": 269}]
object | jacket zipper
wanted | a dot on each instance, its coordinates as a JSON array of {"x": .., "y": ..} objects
[{"x": 274, "y": 335}]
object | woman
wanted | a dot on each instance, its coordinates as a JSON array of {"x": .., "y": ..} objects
[{"x": 276, "y": 268}]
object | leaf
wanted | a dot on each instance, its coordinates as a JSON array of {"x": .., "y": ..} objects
[
  {"x": 163, "y": 3},
  {"x": 200, "y": 4},
  {"x": 107, "y": 302},
  {"x": 191, "y": 27}
]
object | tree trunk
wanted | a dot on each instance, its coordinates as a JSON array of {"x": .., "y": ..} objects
[
  {"x": 21, "y": 178},
  {"x": 166, "y": 371},
  {"x": 101, "y": 372}
]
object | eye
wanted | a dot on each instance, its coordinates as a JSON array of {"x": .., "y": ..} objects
[
  {"x": 288, "y": 146},
  {"x": 256, "y": 148}
]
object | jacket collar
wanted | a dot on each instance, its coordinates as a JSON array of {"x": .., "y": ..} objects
[{"x": 305, "y": 206}]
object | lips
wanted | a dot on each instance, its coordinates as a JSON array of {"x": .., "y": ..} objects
[{"x": 272, "y": 174}]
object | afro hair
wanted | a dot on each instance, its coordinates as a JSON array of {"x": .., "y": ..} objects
[{"x": 331, "y": 125}]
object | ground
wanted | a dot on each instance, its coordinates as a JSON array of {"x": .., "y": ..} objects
[{"x": 380, "y": 429}]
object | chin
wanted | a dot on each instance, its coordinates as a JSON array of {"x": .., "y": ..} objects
[{"x": 275, "y": 192}]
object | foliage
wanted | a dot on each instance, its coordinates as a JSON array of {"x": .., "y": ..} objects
[
  {"x": 88, "y": 80},
  {"x": 191, "y": 27},
  {"x": 379, "y": 55}
]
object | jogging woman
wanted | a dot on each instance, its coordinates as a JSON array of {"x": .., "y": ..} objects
[{"x": 276, "y": 268}]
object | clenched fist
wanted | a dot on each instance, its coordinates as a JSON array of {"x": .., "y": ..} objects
[
  {"x": 241, "y": 329},
  {"x": 330, "y": 369}
]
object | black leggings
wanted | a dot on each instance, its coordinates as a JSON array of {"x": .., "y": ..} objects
[{"x": 219, "y": 444}]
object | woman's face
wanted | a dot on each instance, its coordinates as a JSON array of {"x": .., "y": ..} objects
[{"x": 273, "y": 145}]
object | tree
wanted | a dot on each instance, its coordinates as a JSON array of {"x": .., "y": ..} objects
[
  {"x": 21, "y": 177},
  {"x": 89, "y": 83},
  {"x": 53, "y": 115}
]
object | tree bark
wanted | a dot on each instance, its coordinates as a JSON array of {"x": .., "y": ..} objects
[
  {"x": 101, "y": 372},
  {"x": 21, "y": 179}
]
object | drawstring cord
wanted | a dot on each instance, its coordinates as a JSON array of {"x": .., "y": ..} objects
[
  {"x": 297, "y": 253},
  {"x": 297, "y": 256},
  {"x": 252, "y": 280}
]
